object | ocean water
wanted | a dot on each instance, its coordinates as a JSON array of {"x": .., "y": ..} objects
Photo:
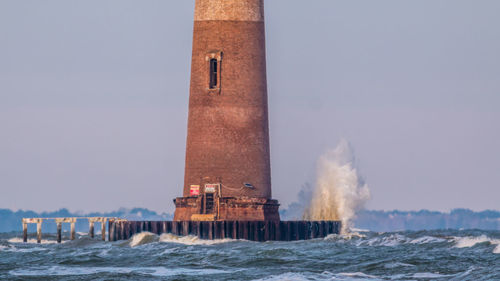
[{"x": 425, "y": 255}]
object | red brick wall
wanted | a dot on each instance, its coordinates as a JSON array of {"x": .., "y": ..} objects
[
  {"x": 228, "y": 132},
  {"x": 228, "y": 137}
]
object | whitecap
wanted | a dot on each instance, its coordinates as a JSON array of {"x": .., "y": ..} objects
[
  {"x": 430, "y": 275},
  {"x": 79, "y": 270},
  {"x": 387, "y": 241},
  {"x": 191, "y": 240},
  {"x": 345, "y": 236},
  {"x": 345, "y": 276},
  {"x": 497, "y": 250},
  {"x": 358, "y": 275},
  {"x": 31, "y": 241},
  {"x": 143, "y": 238},
  {"x": 359, "y": 229},
  {"x": 468, "y": 241},
  {"x": 397, "y": 264},
  {"x": 289, "y": 276},
  {"x": 427, "y": 240}
]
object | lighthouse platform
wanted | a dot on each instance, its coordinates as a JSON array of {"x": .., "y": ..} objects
[{"x": 260, "y": 231}]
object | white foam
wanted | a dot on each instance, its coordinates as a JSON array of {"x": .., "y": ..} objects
[
  {"x": 357, "y": 230},
  {"x": 32, "y": 241},
  {"x": 24, "y": 250},
  {"x": 346, "y": 276},
  {"x": 339, "y": 192},
  {"x": 148, "y": 237},
  {"x": 391, "y": 240},
  {"x": 358, "y": 275},
  {"x": 430, "y": 275},
  {"x": 387, "y": 241},
  {"x": 344, "y": 236},
  {"x": 289, "y": 276},
  {"x": 427, "y": 240},
  {"x": 397, "y": 264},
  {"x": 143, "y": 238},
  {"x": 79, "y": 270},
  {"x": 471, "y": 241},
  {"x": 190, "y": 240}
]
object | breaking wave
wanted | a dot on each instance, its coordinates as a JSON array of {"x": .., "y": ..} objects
[
  {"x": 471, "y": 241},
  {"x": 82, "y": 270},
  {"x": 422, "y": 255},
  {"x": 148, "y": 238},
  {"x": 339, "y": 192}
]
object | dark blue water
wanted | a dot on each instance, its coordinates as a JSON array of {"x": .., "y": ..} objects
[{"x": 426, "y": 255}]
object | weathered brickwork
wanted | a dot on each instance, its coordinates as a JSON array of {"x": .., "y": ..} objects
[
  {"x": 228, "y": 134},
  {"x": 232, "y": 10}
]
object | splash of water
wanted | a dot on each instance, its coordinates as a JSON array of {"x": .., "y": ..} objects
[{"x": 339, "y": 192}]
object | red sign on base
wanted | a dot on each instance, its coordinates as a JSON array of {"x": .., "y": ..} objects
[{"x": 194, "y": 190}]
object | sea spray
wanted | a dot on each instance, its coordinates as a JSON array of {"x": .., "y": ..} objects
[{"x": 339, "y": 192}]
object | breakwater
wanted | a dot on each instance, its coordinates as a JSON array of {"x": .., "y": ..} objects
[{"x": 210, "y": 230}]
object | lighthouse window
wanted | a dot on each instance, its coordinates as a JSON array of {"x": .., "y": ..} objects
[{"x": 213, "y": 73}]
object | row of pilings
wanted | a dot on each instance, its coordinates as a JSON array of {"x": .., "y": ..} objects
[{"x": 210, "y": 230}]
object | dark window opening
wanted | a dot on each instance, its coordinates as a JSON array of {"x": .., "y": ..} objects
[{"x": 213, "y": 73}]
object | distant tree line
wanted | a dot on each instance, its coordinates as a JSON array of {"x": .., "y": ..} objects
[
  {"x": 367, "y": 219},
  {"x": 426, "y": 220}
]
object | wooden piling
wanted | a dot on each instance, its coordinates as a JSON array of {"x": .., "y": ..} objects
[
  {"x": 123, "y": 231},
  {"x": 59, "y": 232},
  {"x": 164, "y": 228},
  {"x": 249, "y": 230},
  {"x": 235, "y": 230},
  {"x": 25, "y": 232},
  {"x": 111, "y": 231},
  {"x": 103, "y": 229},
  {"x": 261, "y": 225},
  {"x": 295, "y": 230},
  {"x": 210, "y": 230},
  {"x": 128, "y": 230},
  {"x": 288, "y": 231},
  {"x": 217, "y": 230},
  {"x": 267, "y": 231},
  {"x": 175, "y": 229},
  {"x": 91, "y": 228},
  {"x": 72, "y": 233},
  {"x": 228, "y": 229},
  {"x": 276, "y": 230},
  {"x": 244, "y": 229},
  {"x": 185, "y": 228},
  {"x": 39, "y": 231},
  {"x": 301, "y": 233}
]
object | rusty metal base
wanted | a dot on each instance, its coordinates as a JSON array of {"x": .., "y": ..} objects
[{"x": 247, "y": 230}]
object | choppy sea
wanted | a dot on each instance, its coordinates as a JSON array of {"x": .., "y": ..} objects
[{"x": 424, "y": 255}]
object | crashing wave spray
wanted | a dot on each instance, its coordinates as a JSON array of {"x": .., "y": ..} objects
[{"x": 339, "y": 192}]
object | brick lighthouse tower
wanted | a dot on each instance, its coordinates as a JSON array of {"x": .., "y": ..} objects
[{"x": 228, "y": 173}]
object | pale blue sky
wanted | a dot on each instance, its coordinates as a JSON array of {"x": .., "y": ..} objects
[{"x": 94, "y": 93}]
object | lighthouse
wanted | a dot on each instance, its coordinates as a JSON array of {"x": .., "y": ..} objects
[{"x": 227, "y": 167}]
